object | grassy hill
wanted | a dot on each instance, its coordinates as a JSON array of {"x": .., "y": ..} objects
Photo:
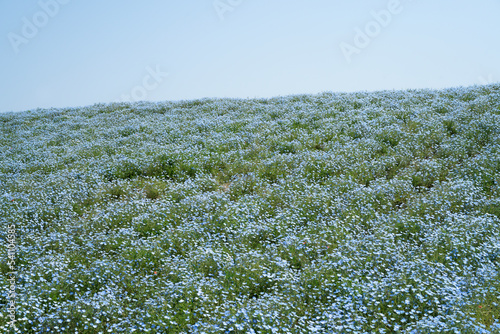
[{"x": 331, "y": 213}]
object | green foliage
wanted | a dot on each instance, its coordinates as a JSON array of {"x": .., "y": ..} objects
[
  {"x": 162, "y": 165},
  {"x": 152, "y": 192},
  {"x": 363, "y": 213},
  {"x": 116, "y": 192}
]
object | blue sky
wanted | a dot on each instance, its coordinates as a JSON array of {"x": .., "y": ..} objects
[{"x": 68, "y": 53}]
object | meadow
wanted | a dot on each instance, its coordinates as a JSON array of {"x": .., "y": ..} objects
[{"x": 369, "y": 212}]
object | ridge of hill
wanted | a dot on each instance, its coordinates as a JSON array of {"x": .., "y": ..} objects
[{"x": 336, "y": 212}]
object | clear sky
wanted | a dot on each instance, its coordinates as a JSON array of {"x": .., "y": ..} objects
[{"x": 67, "y": 53}]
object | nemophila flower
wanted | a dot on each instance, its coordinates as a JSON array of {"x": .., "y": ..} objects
[{"x": 400, "y": 184}]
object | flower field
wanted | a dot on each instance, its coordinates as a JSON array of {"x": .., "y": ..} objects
[{"x": 330, "y": 213}]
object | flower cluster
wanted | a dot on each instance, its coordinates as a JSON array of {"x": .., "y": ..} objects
[{"x": 330, "y": 213}]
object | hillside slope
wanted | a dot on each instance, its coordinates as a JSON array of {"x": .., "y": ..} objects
[{"x": 362, "y": 212}]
